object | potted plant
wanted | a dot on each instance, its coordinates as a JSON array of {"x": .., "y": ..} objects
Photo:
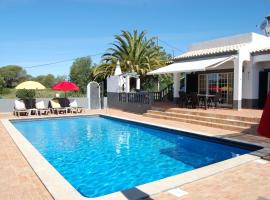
[{"x": 27, "y": 96}]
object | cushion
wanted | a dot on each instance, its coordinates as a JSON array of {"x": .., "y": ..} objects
[
  {"x": 55, "y": 104},
  {"x": 73, "y": 104},
  {"x": 19, "y": 105},
  {"x": 40, "y": 105}
]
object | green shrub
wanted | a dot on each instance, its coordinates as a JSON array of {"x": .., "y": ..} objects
[{"x": 25, "y": 94}]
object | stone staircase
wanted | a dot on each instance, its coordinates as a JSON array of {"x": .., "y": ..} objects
[{"x": 227, "y": 122}]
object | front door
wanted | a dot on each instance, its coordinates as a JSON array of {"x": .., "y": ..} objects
[{"x": 263, "y": 88}]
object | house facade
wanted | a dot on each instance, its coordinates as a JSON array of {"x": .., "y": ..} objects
[{"x": 237, "y": 67}]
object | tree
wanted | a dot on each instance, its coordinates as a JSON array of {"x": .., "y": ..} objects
[
  {"x": 2, "y": 84},
  {"x": 46, "y": 80},
  {"x": 135, "y": 53},
  {"x": 81, "y": 72},
  {"x": 13, "y": 75}
]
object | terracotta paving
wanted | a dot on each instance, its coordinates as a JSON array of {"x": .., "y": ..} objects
[
  {"x": 225, "y": 111},
  {"x": 248, "y": 181},
  {"x": 17, "y": 179}
]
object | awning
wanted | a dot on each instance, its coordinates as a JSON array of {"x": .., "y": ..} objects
[{"x": 192, "y": 66}]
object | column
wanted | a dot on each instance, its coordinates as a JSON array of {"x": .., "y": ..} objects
[
  {"x": 127, "y": 89},
  {"x": 176, "y": 86},
  {"x": 185, "y": 79},
  {"x": 138, "y": 84},
  {"x": 237, "y": 87}
]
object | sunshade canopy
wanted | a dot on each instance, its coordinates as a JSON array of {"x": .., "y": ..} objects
[
  {"x": 65, "y": 86},
  {"x": 191, "y": 66},
  {"x": 30, "y": 85}
]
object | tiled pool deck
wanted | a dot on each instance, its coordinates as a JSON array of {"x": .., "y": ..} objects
[{"x": 250, "y": 180}]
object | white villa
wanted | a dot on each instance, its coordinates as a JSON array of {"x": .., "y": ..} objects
[{"x": 238, "y": 67}]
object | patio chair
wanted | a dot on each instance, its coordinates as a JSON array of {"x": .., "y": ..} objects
[
  {"x": 74, "y": 108},
  {"x": 56, "y": 107},
  {"x": 184, "y": 101},
  {"x": 195, "y": 102},
  {"x": 41, "y": 109},
  {"x": 215, "y": 101},
  {"x": 19, "y": 107}
]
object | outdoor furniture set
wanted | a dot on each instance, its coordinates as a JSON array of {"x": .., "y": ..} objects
[
  {"x": 194, "y": 100},
  {"x": 54, "y": 107}
]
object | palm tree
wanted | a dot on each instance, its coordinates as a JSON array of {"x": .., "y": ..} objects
[{"x": 135, "y": 53}]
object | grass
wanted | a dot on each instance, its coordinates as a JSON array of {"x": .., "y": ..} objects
[{"x": 47, "y": 93}]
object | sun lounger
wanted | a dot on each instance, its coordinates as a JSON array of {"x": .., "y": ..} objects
[
  {"x": 56, "y": 107},
  {"x": 19, "y": 108},
  {"x": 41, "y": 109},
  {"x": 74, "y": 108}
]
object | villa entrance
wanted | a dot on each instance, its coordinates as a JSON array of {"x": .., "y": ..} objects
[{"x": 264, "y": 87}]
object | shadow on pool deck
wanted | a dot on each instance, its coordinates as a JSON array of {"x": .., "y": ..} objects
[{"x": 135, "y": 194}]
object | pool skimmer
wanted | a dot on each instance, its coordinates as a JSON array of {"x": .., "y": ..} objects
[{"x": 177, "y": 192}]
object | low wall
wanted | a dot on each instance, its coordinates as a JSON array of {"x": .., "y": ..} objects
[
  {"x": 130, "y": 102},
  {"x": 7, "y": 105}
]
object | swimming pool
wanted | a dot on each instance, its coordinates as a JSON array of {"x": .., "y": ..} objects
[{"x": 100, "y": 155}]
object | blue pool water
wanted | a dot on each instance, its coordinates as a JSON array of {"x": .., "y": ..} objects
[{"x": 99, "y": 155}]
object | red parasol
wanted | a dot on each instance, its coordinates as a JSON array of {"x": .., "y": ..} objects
[{"x": 65, "y": 86}]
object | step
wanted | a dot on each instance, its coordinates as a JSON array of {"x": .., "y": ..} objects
[
  {"x": 201, "y": 113},
  {"x": 203, "y": 123},
  {"x": 204, "y": 118}
]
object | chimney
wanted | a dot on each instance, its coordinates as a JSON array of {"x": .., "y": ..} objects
[{"x": 117, "y": 71}]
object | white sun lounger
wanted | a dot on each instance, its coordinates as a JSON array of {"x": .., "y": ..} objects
[
  {"x": 19, "y": 108},
  {"x": 41, "y": 109}
]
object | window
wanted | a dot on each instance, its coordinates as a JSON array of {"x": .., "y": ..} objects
[
  {"x": 202, "y": 84},
  {"x": 213, "y": 83}
]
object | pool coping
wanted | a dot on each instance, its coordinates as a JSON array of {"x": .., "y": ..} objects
[{"x": 61, "y": 189}]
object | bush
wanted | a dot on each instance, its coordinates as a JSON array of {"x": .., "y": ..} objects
[{"x": 25, "y": 94}]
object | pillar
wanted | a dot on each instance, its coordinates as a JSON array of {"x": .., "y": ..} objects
[
  {"x": 185, "y": 82},
  {"x": 176, "y": 86},
  {"x": 238, "y": 78},
  {"x": 237, "y": 87},
  {"x": 138, "y": 84},
  {"x": 127, "y": 89}
]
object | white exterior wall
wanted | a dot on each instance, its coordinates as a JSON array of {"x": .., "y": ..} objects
[
  {"x": 114, "y": 84},
  {"x": 250, "y": 80},
  {"x": 243, "y": 55}
]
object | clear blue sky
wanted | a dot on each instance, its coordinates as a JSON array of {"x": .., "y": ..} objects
[{"x": 35, "y": 32}]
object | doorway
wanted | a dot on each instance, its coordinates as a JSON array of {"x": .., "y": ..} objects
[{"x": 268, "y": 87}]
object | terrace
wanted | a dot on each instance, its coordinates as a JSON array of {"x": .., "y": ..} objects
[{"x": 19, "y": 181}]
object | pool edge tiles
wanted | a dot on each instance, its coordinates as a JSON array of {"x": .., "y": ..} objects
[{"x": 61, "y": 189}]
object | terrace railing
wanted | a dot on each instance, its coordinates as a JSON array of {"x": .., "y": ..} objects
[
  {"x": 132, "y": 102},
  {"x": 140, "y": 98},
  {"x": 165, "y": 94}
]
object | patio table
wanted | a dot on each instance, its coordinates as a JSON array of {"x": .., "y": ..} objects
[{"x": 206, "y": 97}]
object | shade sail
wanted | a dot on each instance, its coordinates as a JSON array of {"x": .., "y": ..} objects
[
  {"x": 191, "y": 66},
  {"x": 65, "y": 86},
  {"x": 30, "y": 85}
]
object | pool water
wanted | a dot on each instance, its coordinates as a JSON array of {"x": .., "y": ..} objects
[{"x": 100, "y": 155}]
